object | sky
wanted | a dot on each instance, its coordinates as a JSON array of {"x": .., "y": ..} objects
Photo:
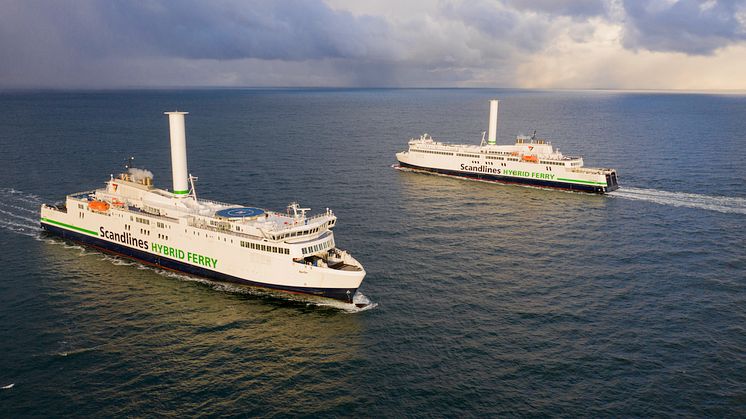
[{"x": 573, "y": 44}]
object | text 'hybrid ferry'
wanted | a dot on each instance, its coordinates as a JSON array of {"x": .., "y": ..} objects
[
  {"x": 287, "y": 251},
  {"x": 529, "y": 161}
]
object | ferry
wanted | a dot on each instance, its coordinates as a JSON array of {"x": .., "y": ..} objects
[
  {"x": 530, "y": 161},
  {"x": 288, "y": 250}
]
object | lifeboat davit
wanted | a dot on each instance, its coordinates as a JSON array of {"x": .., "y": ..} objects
[{"x": 100, "y": 206}]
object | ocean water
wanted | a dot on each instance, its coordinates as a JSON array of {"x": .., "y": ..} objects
[{"x": 486, "y": 300}]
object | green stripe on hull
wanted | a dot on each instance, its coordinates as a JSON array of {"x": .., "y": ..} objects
[
  {"x": 82, "y": 230},
  {"x": 582, "y": 181},
  {"x": 181, "y": 192}
]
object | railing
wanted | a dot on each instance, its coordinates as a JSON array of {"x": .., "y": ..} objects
[
  {"x": 303, "y": 223},
  {"x": 192, "y": 222},
  {"x": 136, "y": 210},
  {"x": 210, "y": 201}
]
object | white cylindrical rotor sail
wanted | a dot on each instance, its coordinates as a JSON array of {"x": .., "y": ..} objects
[
  {"x": 178, "y": 152},
  {"x": 492, "y": 130}
]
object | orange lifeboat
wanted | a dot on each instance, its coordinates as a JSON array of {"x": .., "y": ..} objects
[
  {"x": 532, "y": 159},
  {"x": 100, "y": 206}
]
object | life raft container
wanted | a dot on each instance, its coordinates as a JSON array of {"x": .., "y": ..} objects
[{"x": 100, "y": 206}]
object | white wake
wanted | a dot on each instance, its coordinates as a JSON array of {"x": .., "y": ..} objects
[
  {"x": 724, "y": 204},
  {"x": 19, "y": 212}
]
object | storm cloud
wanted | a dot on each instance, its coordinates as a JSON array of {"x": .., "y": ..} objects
[
  {"x": 160, "y": 43},
  {"x": 688, "y": 26}
]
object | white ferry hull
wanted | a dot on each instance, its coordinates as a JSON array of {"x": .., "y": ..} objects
[
  {"x": 590, "y": 187},
  {"x": 235, "y": 267}
]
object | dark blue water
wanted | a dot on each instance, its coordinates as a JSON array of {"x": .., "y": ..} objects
[{"x": 491, "y": 300}]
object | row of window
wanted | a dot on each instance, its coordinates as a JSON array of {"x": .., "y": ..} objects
[
  {"x": 265, "y": 248},
  {"x": 315, "y": 248},
  {"x": 433, "y": 152},
  {"x": 297, "y": 233},
  {"x": 495, "y": 158},
  {"x": 142, "y": 220},
  {"x": 512, "y": 159},
  {"x": 476, "y": 156},
  {"x": 553, "y": 163}
]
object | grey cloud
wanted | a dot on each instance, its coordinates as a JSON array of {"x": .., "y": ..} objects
[
  {"x": 225, "y": 29},
  {"x": 97, "y": 42},
  {"x": 688, "y": 26},
  {"x": 120, "y": 43},
  {"x": 283, "y": 29},
  {"x": 571, "y": 8},
  {"x": 506, "y": 27},
  {"x": 45, "y": 42}
]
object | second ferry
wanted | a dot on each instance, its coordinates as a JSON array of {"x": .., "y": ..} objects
[
  {"x": 530, "y": 161},
  {"x": 288, "y": 251}
]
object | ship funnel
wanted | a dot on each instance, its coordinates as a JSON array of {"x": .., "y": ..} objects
[
  {"x": 492, "y": 130},
  {"x": 178, "y": 152}
]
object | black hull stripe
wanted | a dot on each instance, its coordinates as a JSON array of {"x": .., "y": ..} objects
[
  {"x": 342, "y": 294},
  {"x": 512, "y": 180}
]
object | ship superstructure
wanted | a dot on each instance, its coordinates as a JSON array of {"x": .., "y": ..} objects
[
  {"x": 529, "y": 161},
  {"x": 289, "y": 251}
]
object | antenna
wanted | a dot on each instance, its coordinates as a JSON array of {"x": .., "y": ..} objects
[
  {"x": 192, "y": 179},
  {"x": 296, "y": 208}
]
